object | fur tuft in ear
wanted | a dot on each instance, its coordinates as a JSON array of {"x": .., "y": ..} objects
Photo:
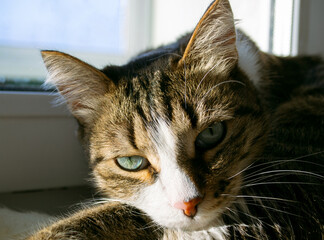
[
  {"x": 212, "y": 44},
  {"x": 80, "y": 84},
  {"x": 249, "y": 57}
]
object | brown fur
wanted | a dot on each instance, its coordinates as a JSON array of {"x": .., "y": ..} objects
[{"x": 190, "y": 85}]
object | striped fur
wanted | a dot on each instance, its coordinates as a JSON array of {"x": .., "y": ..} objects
[{"x": 262, "y": 180}]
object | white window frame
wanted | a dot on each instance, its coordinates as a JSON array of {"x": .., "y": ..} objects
[{"x": 31, "y": 105}]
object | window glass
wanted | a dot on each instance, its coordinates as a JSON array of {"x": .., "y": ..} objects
[
  {"x": 79, "y": 25},
  {"x": 95, "y": 28}
]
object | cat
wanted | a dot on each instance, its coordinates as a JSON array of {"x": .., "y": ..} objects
[{"x": 205, "y": 138}]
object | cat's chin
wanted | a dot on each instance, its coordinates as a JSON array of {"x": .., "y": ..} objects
[{"x": 202, "y": 221}]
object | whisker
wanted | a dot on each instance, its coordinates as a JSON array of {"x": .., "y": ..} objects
[
  {"x": 185, "y": 82},
  {"x": 228, "y": 117},
  {"x": 104, "y": 200},
  {"x": 286, "y": 172},
  {"x": 240, "y": 171},
  {"x": 232, "y": 215},
  {"x": 279, "y": 162},
  {"x": 309, "y": 155},
  {"x": 259, "y": 197},
  {"x": 205, "y": 77},
  {"x": 165, "y": 54},
  {"x": 150, "y": 225},
  {"x": 271, "y": 208},
  {"x": 219, "y": 84},
  {"x": 231, "y": 210},
  {"x": 255, "y": 218},
  {"x": 263, "y": 178},
  {"x": 273, "y": 183}
]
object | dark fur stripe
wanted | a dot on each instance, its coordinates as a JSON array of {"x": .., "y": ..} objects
[
  {"x": 140, "y": 112},
  {"x": 166, "y": 100},
  {"x": 191, "y": 113},
  {"x": 129, "y": 89},
  {"x": 96, "y": 161},
  {"x": 131, "y": 134}
]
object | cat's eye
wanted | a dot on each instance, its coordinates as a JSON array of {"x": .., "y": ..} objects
[
  {"x": 133, "y": 163},
  {"x": 211, "y": 136}
]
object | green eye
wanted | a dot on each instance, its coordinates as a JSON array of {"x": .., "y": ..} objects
[
  {"x": 133, "y": 163},
  {"x": 211, "y": 136}
]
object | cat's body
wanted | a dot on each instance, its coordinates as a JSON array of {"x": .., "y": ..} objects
[{"x": 207, "y": 138}]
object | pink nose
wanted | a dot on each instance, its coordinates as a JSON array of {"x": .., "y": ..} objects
[{"x": 189, "y": 208}]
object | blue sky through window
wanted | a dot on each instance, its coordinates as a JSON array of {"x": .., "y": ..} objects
[{"x": 77, "y": 25}]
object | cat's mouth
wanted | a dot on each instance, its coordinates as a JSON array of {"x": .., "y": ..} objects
[{"x": 208, "y": 210}]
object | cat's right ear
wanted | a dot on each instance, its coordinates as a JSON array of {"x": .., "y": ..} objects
[
  {"x": 80, "y": 84},
  {"x": 213, "y": 42}
]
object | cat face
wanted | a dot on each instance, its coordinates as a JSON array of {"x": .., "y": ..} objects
[
  {"x": 178, "y": 148},
  {"x": 169, "y": 132}
]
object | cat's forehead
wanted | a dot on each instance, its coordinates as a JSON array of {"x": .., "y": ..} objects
[{"x": 190, "y": 97}]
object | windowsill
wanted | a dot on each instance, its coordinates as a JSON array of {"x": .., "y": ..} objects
[{"x": 55, "y": 201}]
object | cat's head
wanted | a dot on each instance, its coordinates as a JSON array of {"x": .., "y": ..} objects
[{"x": 171, "y": 131}]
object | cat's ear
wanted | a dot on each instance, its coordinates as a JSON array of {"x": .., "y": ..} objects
[
  {"x": 213, "y": 42},
  {"x": 80, "y": 84}
]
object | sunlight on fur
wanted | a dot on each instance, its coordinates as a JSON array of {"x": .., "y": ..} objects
[{"x": 205, "y": 138}]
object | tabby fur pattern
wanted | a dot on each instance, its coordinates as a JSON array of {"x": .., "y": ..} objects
[{"x": 262, "y": 180}]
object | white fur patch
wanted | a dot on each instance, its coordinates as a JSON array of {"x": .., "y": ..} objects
[
  {"x": 176, "y": 183},
  {"x": 249, "y": 58}
]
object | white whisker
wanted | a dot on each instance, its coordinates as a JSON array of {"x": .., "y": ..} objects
[
  {"x": 279, "y": 162},
  {"x": 240, "y": 171},
  {"x": 285, "y": 172},
  {"x": 205, "y": 77},
  {"x": 273, "y": 183},
  {"x": 219, "y": 84},
  {"x": 271, "y": 208},
  {"x": 258, "y": 197},
  {"x": 105, "y": 200},
  {"x": 165, "y": 54},
  {"x": 185, "y": 82}
]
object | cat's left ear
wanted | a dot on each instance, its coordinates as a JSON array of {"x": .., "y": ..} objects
[
  {"x": 80, "y": 84},
  {"x": 213, "y": 42}
]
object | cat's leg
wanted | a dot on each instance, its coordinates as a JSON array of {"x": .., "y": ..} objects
[{"x": 109, "y": 221}]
